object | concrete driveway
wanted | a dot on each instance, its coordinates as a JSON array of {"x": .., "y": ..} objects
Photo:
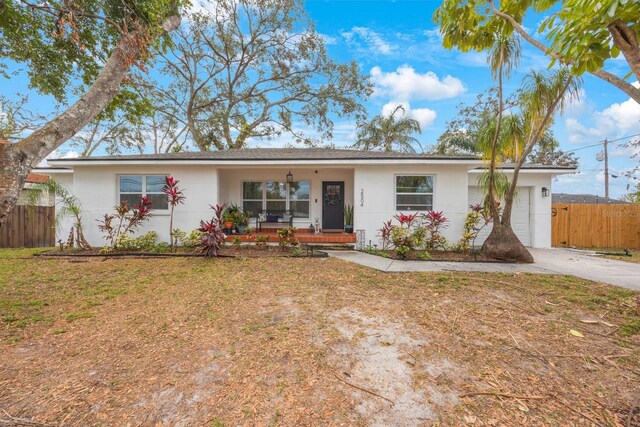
[{"x": 582, "y": 264}]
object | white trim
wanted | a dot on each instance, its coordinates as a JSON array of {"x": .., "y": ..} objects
[
  {"x": 527, "y": 171},
  {"x": 432, "y": 194},
  {"x": 287, "y": 199},
  {"x": 144, "y": 189},
  {"x": 251, "y": 163}
]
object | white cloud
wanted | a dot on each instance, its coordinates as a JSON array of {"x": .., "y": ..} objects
[
  {"x": 59, "y": 154},
  {"x": 619, "y": 119},
  {"x": 405, "y": 84},
  {"x": 366, "y": 38},
  {"x": 424, "y": 116}
]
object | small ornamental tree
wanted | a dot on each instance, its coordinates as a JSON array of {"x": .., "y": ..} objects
[
  {"x": 175, "y": 197},
  {"x": 126, "y": 220}
]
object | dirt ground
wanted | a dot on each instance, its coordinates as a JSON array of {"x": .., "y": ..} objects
[{"x": 291, "y": 341}]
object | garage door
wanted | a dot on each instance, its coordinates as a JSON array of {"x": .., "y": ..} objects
[{"x": 520, "y": 221}]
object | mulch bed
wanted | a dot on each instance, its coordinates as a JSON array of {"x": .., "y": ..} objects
[
  {"x": 228, "y": 251},
  {"x": 449, "y": 256}
]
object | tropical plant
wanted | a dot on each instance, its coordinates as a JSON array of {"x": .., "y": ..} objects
[
  {"x": 125, "y": 220},
  {"x": 175, "y": 197},
  {"x": 68, "y": 206},
  {"x": 390, "y": 133},
  {"x": 404, "y": 237},
  {"x": 435, "y": 222},
  {"x": 348, "y": 214},
  {"x": 475, "y": 221},
  {"x": 212, "y": 236}
]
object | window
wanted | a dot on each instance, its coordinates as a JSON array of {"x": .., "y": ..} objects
[
  {"x": 276, "y": 196},
  {"x": 132, "y": 187},
  {"x": 414, "y": 193}
]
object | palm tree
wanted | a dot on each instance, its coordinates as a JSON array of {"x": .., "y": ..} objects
[
  {"x": 68, "y": 205},
  {"x": 389, "y": 132},
  {"x": 502, "y": 57},
  {"x": 544, "y": 93}
]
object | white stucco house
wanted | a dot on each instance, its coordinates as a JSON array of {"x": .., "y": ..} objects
[{"x": 377, "y": 184}]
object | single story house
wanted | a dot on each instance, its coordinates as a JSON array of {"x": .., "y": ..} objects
[{"x": 312, "y": 184}]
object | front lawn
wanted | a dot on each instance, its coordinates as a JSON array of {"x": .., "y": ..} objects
[{"x": 293, "y": 341}]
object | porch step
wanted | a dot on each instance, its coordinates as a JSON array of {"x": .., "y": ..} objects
[{"x": 302, "y": 237}]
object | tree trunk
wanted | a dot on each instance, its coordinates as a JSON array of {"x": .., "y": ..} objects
[
  {"x": 623, "y": 85},
  {"x": 19, "y": 158},
  {"x": 625, "y": 38},
  {"x": 503, "y": 244}
]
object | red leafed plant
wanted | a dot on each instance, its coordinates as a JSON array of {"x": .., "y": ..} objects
[
  {"x": 175, "y": 197},
  {"x": 406, "y": 220},
  {"x": 385, "y": 234},
  {"x": 125, "y": 220},
  {"x": 434, "y": 222},
  {"x": 212, "y": 234}
]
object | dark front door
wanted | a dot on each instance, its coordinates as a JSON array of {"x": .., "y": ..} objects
[{"x": 332, "y": 205}]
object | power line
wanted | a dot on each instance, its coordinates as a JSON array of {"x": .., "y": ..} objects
[{"x": 602, "y": 143}]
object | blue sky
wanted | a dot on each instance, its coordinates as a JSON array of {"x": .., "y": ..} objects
[{"x": 397, "y": 44}]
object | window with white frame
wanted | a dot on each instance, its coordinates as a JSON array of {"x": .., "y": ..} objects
[
  {"x": 414, "y": 193},
  {"x": 276, "y": 196},
  {"x": 133, "y": 187}
]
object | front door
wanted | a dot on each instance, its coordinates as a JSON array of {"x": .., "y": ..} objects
[{"x": 332, "y": 205}]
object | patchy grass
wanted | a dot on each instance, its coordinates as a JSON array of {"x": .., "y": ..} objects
[
  {"x": 289, "y": 341},
  {"x": 635, "y": 254}
]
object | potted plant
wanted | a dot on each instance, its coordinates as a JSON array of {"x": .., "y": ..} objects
[
  {"x": 241, "y": 220},
  {"x": 227, "y": 219},
  {"x": 348, "y": 218}
]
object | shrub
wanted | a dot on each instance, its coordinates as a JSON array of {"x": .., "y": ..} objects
[
  {"x": 262, "y": 240},
  {"x": 146, "y": 241},
  {"x": 424, "y": 255},
  {"x": 125, "y": 220},
  {"x": 188, "y": 240},
  {"x": 287, "y": 237},
  {"x": 477, "y": 218},
  {"x": 162, "y": 247},
  {"x": 434, "y": 222},
  {"x": 237, "y": 241},
  {"x": 212, "y": 237},
  {"x": 402, "y": 251}
]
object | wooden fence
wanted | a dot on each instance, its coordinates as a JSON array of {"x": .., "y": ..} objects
[
  {"x": 29, "y": 227},
  {"x": 595, "y": 226}
]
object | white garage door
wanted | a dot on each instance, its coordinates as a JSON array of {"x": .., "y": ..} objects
[{"x": 520, "y": 221}]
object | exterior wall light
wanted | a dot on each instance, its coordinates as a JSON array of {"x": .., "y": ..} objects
[
  {"x": 289, "y": 178},
  {"x": 545, "y": 192}
]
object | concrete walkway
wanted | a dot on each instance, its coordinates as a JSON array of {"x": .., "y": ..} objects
[{"x": 582, "y": 264}]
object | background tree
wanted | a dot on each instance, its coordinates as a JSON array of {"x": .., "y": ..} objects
[
  {"x": 390, "y": 133},
  {"x": 633, "y": 196},
  {"x": 462, "y": 134},
  {"x": 61, "y": 43},
  {"x": 257, "y": 69},
  {"x": 582, "y": 34}
]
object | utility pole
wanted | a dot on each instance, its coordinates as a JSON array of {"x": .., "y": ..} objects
[{"x": 606, "y": 170}]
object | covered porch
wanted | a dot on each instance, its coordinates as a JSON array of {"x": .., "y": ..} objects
[{"x": 310, "y": 199}]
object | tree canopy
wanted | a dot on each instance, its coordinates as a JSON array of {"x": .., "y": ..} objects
[
  {"x": 93, "y": 43},
  {"x": 256, "y": 69},
  {"x": 467, "y": 132},
  {"x": 582, "y": 34}
]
